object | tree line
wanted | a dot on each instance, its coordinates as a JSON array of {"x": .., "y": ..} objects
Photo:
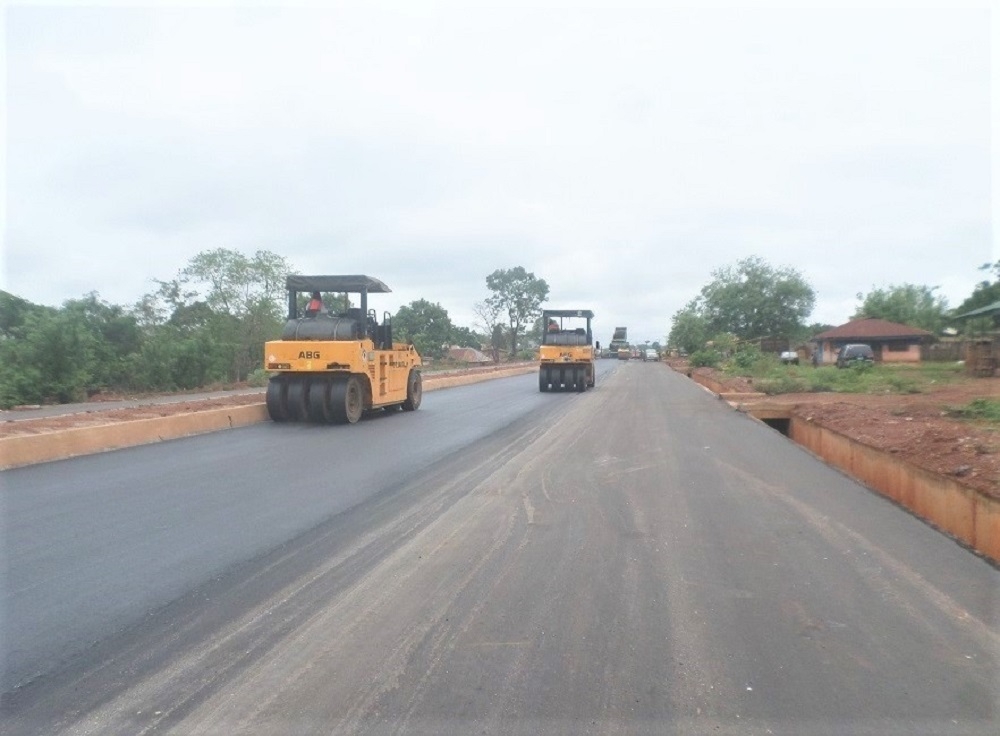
[
  {"x": 207, "y": 326},
  {"x": 753, "y": 299}
]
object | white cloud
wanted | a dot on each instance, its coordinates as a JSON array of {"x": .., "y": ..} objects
[{"x": 622, "y": 155}]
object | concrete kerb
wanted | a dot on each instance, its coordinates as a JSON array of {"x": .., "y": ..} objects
[{"x": 39, "y": 448}]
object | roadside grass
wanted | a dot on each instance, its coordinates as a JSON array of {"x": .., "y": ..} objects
[
  {"x": 985, "y": 411},
  {"x": 770, "y": 376}
]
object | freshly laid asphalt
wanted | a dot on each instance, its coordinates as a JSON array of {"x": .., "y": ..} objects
[{"x": 635, "y": 559}]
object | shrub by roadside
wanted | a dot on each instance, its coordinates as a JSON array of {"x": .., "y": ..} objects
[
  {"x": 981, "y": 410},
  {"x": 770, "y": 376}
]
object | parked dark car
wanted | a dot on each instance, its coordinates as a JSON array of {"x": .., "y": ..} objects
[{"x": 850, "y": 354}]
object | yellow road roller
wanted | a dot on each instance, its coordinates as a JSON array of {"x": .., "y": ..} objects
[
  {"x": 566, "y": 354},
  {"x": 333, "y": 366}
]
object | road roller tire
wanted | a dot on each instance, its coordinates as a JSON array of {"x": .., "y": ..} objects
[
  {"x": 298, "y": 394},
  {"x": 277, "y": 399},
  {"x": 414, "y": 391},
  {"x": 319, "y": 400},
  {"x": 347, "y": 399},
  {"x": 581, "y": 380},
  {"x": 543, "y": 379}
]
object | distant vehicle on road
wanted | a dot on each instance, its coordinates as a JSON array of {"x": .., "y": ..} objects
[
  {"x": 619, "y": 340},
  {"x": 650, "y": 355}
]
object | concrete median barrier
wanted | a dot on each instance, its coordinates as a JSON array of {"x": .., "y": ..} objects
[{"x": 38, "y": 448}]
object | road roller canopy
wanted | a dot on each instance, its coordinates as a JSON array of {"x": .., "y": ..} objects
[
  {"x": 337, "y": 284},
  {"x": 583, "y": 313},
  {"x": 556, "y": 332}
]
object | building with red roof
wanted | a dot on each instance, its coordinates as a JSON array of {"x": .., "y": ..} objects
[{"x": 890, "y": 341}]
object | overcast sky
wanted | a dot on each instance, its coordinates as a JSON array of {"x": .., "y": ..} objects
[{"x": 621, "y": 155}]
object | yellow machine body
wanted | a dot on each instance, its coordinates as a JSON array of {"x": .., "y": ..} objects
[
  {"x": 331, "y": 368},
  {"x": 578, "y": 355},
  {"x": 385, "y": 371},
  {"x": 566, "y": 355}
]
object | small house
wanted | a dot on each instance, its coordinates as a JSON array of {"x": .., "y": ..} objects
[{"x": 890, "y": 341}]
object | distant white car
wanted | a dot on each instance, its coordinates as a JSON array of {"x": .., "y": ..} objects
[
  {"x": 790, "y": 357},
  {"x": 650, "y": 355}
]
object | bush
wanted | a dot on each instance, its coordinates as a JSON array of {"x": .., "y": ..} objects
[
  {"x": 861, "y": 366},
  {"x": 771, "y": 376},
  {"x": 987, "y": 410},
  {"x": 782, "y": 383},
  {"x": 901, "y": 384},
  {"x": 705, "y": 359},
  {"x": 258, "y": 378},
  {"x": 747, "y": 357},
  {"x": 823, "y": 379}
]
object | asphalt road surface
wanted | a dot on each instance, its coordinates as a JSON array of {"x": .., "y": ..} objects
[{"x": 635, "y": 559}]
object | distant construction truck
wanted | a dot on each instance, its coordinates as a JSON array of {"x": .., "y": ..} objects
[
  {"x": 566, "y": 354},
  {"x": 618, "y": 342}
]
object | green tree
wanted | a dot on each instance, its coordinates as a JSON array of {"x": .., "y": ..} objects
[
  {"x": 907, "y": 304},
  {"x": 463, "y": 337},
  {"x": 236, "y": 284},
  {"x": 66, "y": 354},
  {"x": 185, "y": 343},
  {"x": 174, "y": 358},
  {"x": 498, "y": 342},
  {"x": 724, "y": 343},
  {"x": 115, "y": 336},
  {"x": 813, "y": 329},
  {"x": 519, "y": 295},
  {"x": 689, "y": 331},
  {"x": 533, "y": 333},
  {"x": 754, "y": 299},
  {"x": 21, "y": 378},
  {"x": 488, "y": 313},
  {"x": 246, "y": 295},
  {"x": 174, "y": 320},
  {"x": 426, "y": 325},
  {"x": 48, "y": 362},
  {"x": 14, "y": 312}
]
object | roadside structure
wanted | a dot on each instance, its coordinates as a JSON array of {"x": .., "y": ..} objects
[
  {"x": 982, "y": 353},
  {"x": 891, "y": 342},
  {"x": 990, "y": 310}
]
